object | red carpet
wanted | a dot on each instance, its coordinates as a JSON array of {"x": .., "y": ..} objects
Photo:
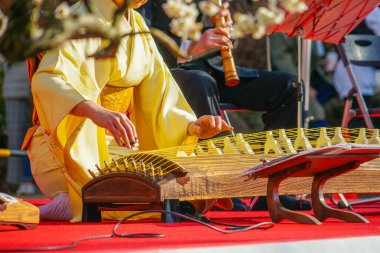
[{"x": 185, "y": 234}]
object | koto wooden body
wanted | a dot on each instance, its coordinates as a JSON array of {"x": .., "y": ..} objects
[
  {"x": 18, "y": 213},
  {"x": 221, "y": 181}
]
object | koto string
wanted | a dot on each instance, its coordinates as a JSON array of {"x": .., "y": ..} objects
[{"x": 212, "y": 152}]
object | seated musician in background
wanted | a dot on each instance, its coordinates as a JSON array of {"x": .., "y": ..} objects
[
  {"x": 202, "y": 81},
  {"x": 70, "y": 132}
]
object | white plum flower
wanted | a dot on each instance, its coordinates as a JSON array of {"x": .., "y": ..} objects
[
  {"x": 292, "y": 6},
  {"x": 209, "y": 8},
  {"x": 195, "y": 31},
  {"x": 191, "y": 11},
  {"x": 62, "y": 11},
  {"x": 186, "y": 28},
  {"x": 264, "y": 16},
  {"x": 256, "y": 24},
  {"x": 243, "y": 22},
  {"x": 258, "y": 31},
  {"x": 174, "y": 8},
  {"x": 300, "y": 7},
  {"x": 184, "y": 14},
  {"x": 279, "y": 15}
]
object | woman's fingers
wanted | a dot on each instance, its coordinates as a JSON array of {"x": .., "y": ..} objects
[
  {"x": 210, "y": 121},
  {"x": 127, "y": 131},
  {"x": 225, "y": 126},
  {"x": 213, "y": 123},
  {"x": 116, "y": 135},
  {"x": 123, "y": 134},
  {"x": 208, "y": 126},
  {"x": 130, "y": 128},
  {"x": 116, "y": 123},
  {"x": 218, "y": 123}
]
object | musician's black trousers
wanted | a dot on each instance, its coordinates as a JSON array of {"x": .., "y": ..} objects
[{"x": 272, "y": 92}]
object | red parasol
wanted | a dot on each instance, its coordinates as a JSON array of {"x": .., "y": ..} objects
[{"x": 326, "y": 20}]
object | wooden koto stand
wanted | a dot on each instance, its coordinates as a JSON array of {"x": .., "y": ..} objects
[{"x": 322, "y": 164}]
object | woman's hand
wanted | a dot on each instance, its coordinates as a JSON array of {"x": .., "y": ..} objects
[
  {"x": 207, "y": 126},
  {"x": 118, "y": 124}
]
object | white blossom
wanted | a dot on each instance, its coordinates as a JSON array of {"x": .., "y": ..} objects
[
  {"x": 264, "y": 16},
  {"x": 258, "y": 31},
  {"x": 184, "y": 14},
  {"x": 174, "y": 8},
  {"x": 292, "y": 6},
  {"x": 62, "y": 11},
  {"x": 209, "y": 8},
  {"x": 191, "y": 11},
  {"x": 279, "y": 15},
  {"x": 243, "y": 25},
  {"x": 255, "y": 24},
  {"x": 186, "y": 28}
]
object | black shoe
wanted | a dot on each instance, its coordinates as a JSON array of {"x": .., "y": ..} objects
[
  {"x": 186, "y": 208},
  {"x": 260, "y": 204},
  {"x": 289, "y": 202},
  {"x": 239, "y": 205}
]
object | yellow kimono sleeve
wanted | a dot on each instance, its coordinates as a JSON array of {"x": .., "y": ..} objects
[
  {"x": 62, "y": 81},
  {"x": 160, "y": 111},
  {"x": 65, "y": 77}
]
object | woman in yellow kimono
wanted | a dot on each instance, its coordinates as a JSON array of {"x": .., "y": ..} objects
[{"x": 67, "y": 91}]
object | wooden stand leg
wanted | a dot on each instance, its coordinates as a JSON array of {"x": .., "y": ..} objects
[
  {"x": 321, "y": 210},
  {"x": 90, "y": 213},
  {"x": 170, "y": 205},
  {"x": 276, "y": 210}
]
